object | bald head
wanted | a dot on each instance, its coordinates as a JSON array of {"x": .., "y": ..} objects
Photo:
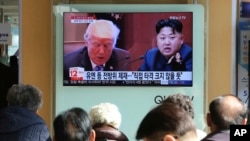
[
  {"x": 227, "y": 110},
  {"x": 231, "y": 106}
]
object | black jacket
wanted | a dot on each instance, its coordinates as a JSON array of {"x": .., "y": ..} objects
[
  {"x": 21, "y": 124},
  {"x": 221, "y": 135},
  {"x": 155, "y": 61}
]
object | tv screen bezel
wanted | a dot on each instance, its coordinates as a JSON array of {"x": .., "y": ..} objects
[{"x": 140, "y": 98}]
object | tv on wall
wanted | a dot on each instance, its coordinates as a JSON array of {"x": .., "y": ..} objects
[{"x": 153, "y": 47}]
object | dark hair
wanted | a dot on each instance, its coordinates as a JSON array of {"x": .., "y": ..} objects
[
  {"x": 164, "y": 119},
  {"x": 27, "y": 96},
  {"x": 72, "y": 125},
  {"x": 183, "y": 101},
  {"x": 176, "y": 25},
  {"x": 223, "y": 114}
]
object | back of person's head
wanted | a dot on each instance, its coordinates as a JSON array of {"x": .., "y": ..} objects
[
  {"x": 106, "y": 120},
  {"x": 105, "y": 114},
  {"x": 183, "y": 101},
  {"x": 26, "y": 96},
  {"x": 167, "y": 122},
  {"x": 227, "y": 110},
  {"x": 102, "y": 29},
  {"x": 176, "y": 25},
  {"x": 73, "y": 125}
]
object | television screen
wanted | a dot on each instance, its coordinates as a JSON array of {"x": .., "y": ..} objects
[
  {"x": 149, "y": 48},
  {"x": 245, "y": 9}
]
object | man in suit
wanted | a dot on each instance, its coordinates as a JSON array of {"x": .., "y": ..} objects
[
  {"x": 100, "y": 54},
  {"x": 224, "y": 111},
  {"x": 171, "y": 53}
]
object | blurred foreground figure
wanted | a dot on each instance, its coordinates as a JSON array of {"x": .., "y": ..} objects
[
  {"x": 224, "y": 111},
  {"x": 167, "y": 122},
  {"x": 73, "y": 125},
  {"x": 19, "y": 121},
  {"x": 186, "y": 103},
  {"x": 106, "y": 120}
]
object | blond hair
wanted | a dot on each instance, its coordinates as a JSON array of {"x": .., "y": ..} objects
[{"x": 105, "y": 113}]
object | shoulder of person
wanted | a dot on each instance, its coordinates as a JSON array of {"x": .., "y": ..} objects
[
  {"x": 152, "y": 51},
  {"x": 119, "y": 50},
  {"x": 76, "y": 51},
  {"x": 185, "y": 51},
  {"x": 221, "y": 135},
  {"x": 186, "y": 47}
]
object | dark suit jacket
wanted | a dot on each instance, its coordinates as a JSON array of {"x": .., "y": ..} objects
[
  {"x": 222, "y": 135},
  {"x": 155, "y": 61},
  {"x": 80, "y": 58}
]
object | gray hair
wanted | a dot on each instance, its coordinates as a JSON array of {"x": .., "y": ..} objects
[
  {"x": 102, "y": 28},
  {"x": 27, "y": 96}
]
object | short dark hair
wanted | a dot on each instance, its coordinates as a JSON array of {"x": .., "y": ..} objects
[
  {"x": 224, "y": 116},
  {"x": 25, "y": 95},
  {"x": 72, "y": 125},
  {"x": 176, "y": 25},
  {"x": 183, "y": 101},
  {"x": 164, "y": 119}
]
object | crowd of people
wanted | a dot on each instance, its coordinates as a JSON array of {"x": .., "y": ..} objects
[{"x": 171, "y": 120}]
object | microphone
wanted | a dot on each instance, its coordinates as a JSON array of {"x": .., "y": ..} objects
[
  {"x": 139, "y": 58},
  {"x": 125, "y": 58},
  {"x": 120, "y": 60}
]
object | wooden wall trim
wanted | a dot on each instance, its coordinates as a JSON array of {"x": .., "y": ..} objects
[{"x": 36, "y": 50}]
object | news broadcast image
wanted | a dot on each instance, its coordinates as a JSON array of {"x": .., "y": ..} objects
[{"x": 136, "y": 37}]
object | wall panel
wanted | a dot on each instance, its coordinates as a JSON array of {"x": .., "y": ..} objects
[{"x": 36, "y": 50}]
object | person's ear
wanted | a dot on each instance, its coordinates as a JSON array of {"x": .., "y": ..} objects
[
  {"x": 244, "y": 121},
  {"x": 169, "y": 137},
  {"x": 182, "y": 38},
  {"x": 92, "y": 135}
]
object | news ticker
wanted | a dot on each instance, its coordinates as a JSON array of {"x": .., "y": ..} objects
[
  {"x": 239, "y": 132},
  {"x": 78, "y": 73},
  {"x": 82, "y": 19}
]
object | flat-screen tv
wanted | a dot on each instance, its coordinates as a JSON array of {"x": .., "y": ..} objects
[{"x": 144, "y": 62}]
